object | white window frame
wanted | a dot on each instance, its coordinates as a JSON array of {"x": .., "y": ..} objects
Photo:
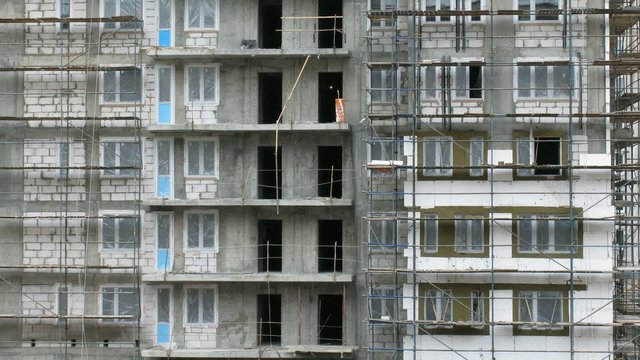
[
  {"x": 155, "y": 318},
  {"x": 467, "y": 246},
  {"x": 451, "y": 20},
  {"x": 118, "y": 172},
  {"x": 200, "y": 322},
  {"x": 116, "y": 309},
  {"x": 128, "y": 214},
  {"x": 384, "y": 5},
  {"x": 532, "y": 16},
  {"x": 477, "y": 317},
  {"x": 446, "y": 169},
  {"x": 172, "y": 21},
  {"x": 423, "y": 231},
  {"x": 443, "y": 303},
  {"x": 535, "y": 297},
  {"x": 173, "y": 93},
  {"x": 117, "y": 26},
  {"x": 171, "y": 237},
  {"x": 201, "y": 101},
  {"x": 202, "y": 28},
  {"x": 467, "y": 88},
  {"x": 551, "y": 88},
  {"x": 386, "y": 92},
  {"x": 385, "y": 297},
  {"x": 475, "y": 160},
  {"x": 436, "y": 70},
  {"x": 216, "y": 239},
  {"x": 526, "y": 172},
  {"x": 61, "y": 26},
  {"x": 382, "y": 228},
  {"x": 537, "y": 235},
  {"x": 171, "y": 164},
  {"x": 201, "y": 155},
  {"x": 118, "y": 93}
]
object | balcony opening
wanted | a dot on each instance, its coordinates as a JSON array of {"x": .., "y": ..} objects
[
  {"x": 475, "y": 82},
  {"x": 330, "y": 171},
  {"x": 269, "y": 23},
  {"x": 269, "y": 172},
  {"x": 270, "y": 245},
  {"x": 329, "y": 89},
  {"x": 269, "y": 97},
  {"x": 547, "y": 152},
  {"x": 329, "y": 34},
  {"x": 269, "y": 319},
  {"x": 329, "y": 245},
  {"x": 330, "y": 319}
]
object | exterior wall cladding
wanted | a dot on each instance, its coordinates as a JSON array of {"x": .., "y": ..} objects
[{"x": 176, "y": 182}]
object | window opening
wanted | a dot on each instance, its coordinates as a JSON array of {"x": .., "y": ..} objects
[
  {"x": 269, "y": 319},
  {"x": 329, "y": 245},
  {"x": 329, "y": 34},
  {"x": 270, "y": 245},
  {"x": 269, "y": 97},
  {"x": 330, "y": 171},
  {"x": 270, "y": 24},
  {"x": 330, "y": 319},
  {"x": 269, "y": 177},
  {"x": 329, "y": 89}
]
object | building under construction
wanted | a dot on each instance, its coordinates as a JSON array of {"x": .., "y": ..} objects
[{"x": 381, "y": 179}]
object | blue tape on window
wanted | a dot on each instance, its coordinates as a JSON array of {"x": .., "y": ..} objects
[
  {"x": 164, "y": 38},
  {"x": 164, "y": 333},
  {"x": 164, "y": 186},
  {"x": 164, "y": 113},
  {"x": 163, "y": 259}
]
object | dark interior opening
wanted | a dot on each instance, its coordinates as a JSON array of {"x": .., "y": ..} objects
[
  {"x": 269, "y": 97},
  {"x": 330, "y": 319},
  {"x": 269, "y": 22},
  {"x": 330, "y": 171},
  {"x": 547, "y": 151},
  {"x": 475, "y": 82},
  {"x": 269, "y": 319},
  {"x": 269, "y": 245},
  {"x": 269, "y": 177},
  {"x": 327, "y": 37},
  {"x": 329, "y": 89},
  {"x": 329, "y": 245}
]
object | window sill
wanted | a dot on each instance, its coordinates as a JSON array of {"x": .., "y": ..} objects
[
  {"x": 201, "y": 177},
  {"x": 119, "y": 177},
  {"x": 201, "y": 326},
  {"x": 201, "y": 30},
  {"x": 201, "y": 103},
  {"x": 538, "y": 99},
  {"x": 116, "y": 250},
  {"x": 114, "y": 104}
]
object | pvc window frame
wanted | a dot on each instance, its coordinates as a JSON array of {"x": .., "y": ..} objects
[
  {"x": 122, "y": 214},
  {"x": 172, "y": 91},
  {"x": 201, "y": 156},
  {"x": 550, "y": 86},
  {"x": 216, "y": 239},
  {"x": 436, "y": 70},
  {"x": 201, "y": 101},
  {"x": 452, "y": 6},
  {"x": 533, "y": 5},
  {"x": 116, "y": 287},
  {"x": 117, "y": 95},
  {"x": 155, "y": 317},
  {"x": 200, "y": 322},
  {"x": 171, "y": 175},
  {"x": 118, "y": 26},
  {"x": 64, "y": 27},
  {"x": 171, "y": 236},
  {"x": 118, "y": 172},
  {"x": 202, "y": 28}
]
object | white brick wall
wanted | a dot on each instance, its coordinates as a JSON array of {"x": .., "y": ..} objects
[
  {"x": 201, "y": 114},
  {"x": 46, "y": 38},
  {"x": 198, "y": 261},
  {"x": 39, "y": 300},
  {"x": 43, "y": 97},
  {"x": 198, "y": 189},
  {"x": 201, "y": 38},
  {"x": 200, "y": 336},
  {"x": 43, "y": 233}
]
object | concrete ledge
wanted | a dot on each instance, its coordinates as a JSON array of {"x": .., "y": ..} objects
[
  {"x": 248, "y": 277},
  {"x": 230, "y": 127},
  {"x": 287, "y": 352},
  {"x": 209, "y": 52},
  {"x": 310, "y": 202}
]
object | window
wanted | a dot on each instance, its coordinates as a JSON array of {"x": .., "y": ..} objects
[
  {"x": 65, "y": 12},
  {"x": 477, "y": 306},
  {"x": 430, "y": 233},
  {"x": 165, "y": 23},
  {"x": 540, "y": 307},
  {"x": 119, "y": 301},
  {"x": 121, "y": 158},
  {"x": 438, "y": 156},
  {"x": 438, "y": 305},
  {"x": 63, "y": 302},
  {"x": 545, "y": 234},
  {"x": 122, "y": 86},
  {"x": 382, "y": 303},
  {"x": 382, "y": 232},
  {"x": 119, "y": 232},
  {"x": 435, "y": 5},
  {"x": 382, "y": 149},
  {"x": 382, "y": 85},
  {"x": 269, "y": 318},
  {"x": 476, "y": 156},
  {"x": 383, "y": 5},
  {"x": 531, "y": 6},
  {"x": 114, "y": 8},
  {"x": 164, "y": 236},
  {"x": 542, "y": 152},
  {"x": 165, "y": 94},
  {"x": 201, "y": 231},
  {"x": 468, "y": 82},
  {"x": 539, "y": 82},
  {"x": 201, "y": 14},
  {"x": 469, "y": 237},
  {"x": 201, "y": 158},
  {"x": 163, "y": 319},
  {"x": 201, "y": 306},
  {"x": 202, "y": 84},
  {"x": 63, "y": 158}
]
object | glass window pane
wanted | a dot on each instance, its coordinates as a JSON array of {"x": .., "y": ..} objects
[
  {"x": 525, "y": 308},
  {"x": 549, "y": 306},
  {"x": 524, "y": 234},
  {"x": 541, "y": 86},
  {"x": 524, "y": 156},
  {"x": 194, "y": 82},
  {"x": 477, "y": 235},
  {"x": 461, "y": 82},
  {"x": 524, "y": 5},
  {"x": 209, "y": 11},
  {"x": 429, "y": 155},
  {"x": 108, "y": 301},
  {"x": 562, "y": 236},
  {"x": 130, "y": 81},
  {"x": 524, "y": 81},
  {"x": 109, "y": 86},
  {"x": 193, "y": 230},
  {"x": 477, "y": 156},
  {"x": 164, "y": 231},
  {"x": 193, "y": 306},
  {"x": 209, "y": 231},
  {"x": 63, "y": 300},
  {"x": 164, "y": 14},
  {"x": 461, "y": 234},
  {"x": 475, "y": 6},
  {"x": 164, "y": 157},
  {"x": 164, "y": 84},
  {"x": 561, "y": 81},
  {"x": 209, "y": 158},
  {"x": 430, "y": 83},
  {"x": 376, "y": 85},
  {"x": 127, "y": 300},
  {"x": 546, "y": 5},
  {"x": 445, "y": 5},
  {"x": 446, "y": 158},
  {"x": 430, "y": 308},
  {"x": 109, "y": 8},
  {"x": 543, "y": 233},
  {"x": 193, "y": 9},
  {"x": 127, "y": 233},
  {"x": 108, "y": 233},
  {"x": 430, "y": 233},
  {"x": 209, "y": 84},
  {"x": 208, "y": 298},
  {"x": 129, "y": 157},
  {"x": 194, "y": 157},
  {"x": 164, "y": 301},
  {"x": 430, "y": 5}
]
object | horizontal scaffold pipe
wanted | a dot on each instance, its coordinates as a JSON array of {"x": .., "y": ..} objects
[
  {"x": 21, "y": 20},
  {"x": 573, "y": 11},
  {"x": 78, "y": 68},
  {"x": 69, "y": 118}
]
